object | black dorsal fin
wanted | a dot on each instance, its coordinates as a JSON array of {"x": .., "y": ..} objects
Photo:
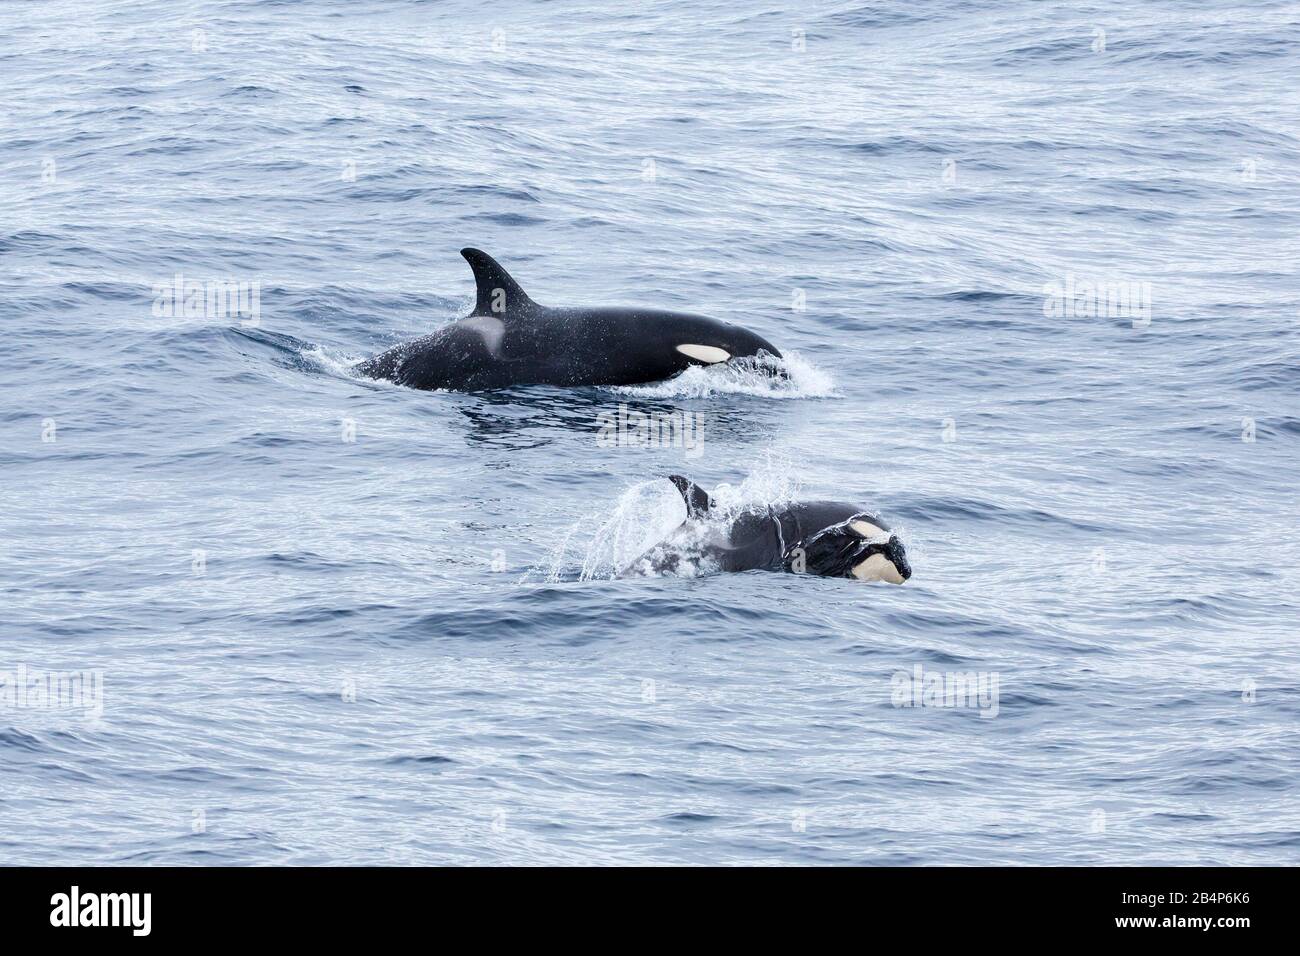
[
  {"x": 697, "y": 499},
  {"x": 498, "y": 294}
]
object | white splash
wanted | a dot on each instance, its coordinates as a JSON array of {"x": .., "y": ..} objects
[
  {"x": 647, "y": 534},
  {"x": 327, "y": 360},
  {"x": 802, "y": 379},
  {"x": 645, "y": 515},
  {"x": 773, "y": 482}
]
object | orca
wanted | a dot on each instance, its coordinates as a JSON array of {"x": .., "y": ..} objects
[
  {"x": 825, "y": 538},
  {"x": 511, "y": 340}
]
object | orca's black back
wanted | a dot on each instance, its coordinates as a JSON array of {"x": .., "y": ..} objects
[
  {"x": 511, "y": 340},
  {"x": 761, "y": 540}
]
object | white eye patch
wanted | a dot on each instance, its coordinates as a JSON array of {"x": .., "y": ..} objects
[
  {"x": 704, "y": 353},
  {"x": 868, "y": 530}
]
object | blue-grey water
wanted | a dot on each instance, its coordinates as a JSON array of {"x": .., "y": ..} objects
[{"x": 321, "y": 620}]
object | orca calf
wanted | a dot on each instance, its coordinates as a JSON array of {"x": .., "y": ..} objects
[
  {"x": 826, "y": 538},
  {"x": 511, "y": 340}
]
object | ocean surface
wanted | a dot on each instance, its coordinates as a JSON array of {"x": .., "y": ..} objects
[{"x": 1034, "y": 267}]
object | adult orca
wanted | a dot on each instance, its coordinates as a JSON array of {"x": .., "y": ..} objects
[
  {"x": 511, "y": 340},
  {"x": 826, "y": 538}
]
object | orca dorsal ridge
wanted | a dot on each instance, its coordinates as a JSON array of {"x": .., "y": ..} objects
[{"x": 498, "y": 295}]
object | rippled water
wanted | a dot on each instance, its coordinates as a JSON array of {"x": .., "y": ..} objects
[{"x": 400, "y": 648}]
